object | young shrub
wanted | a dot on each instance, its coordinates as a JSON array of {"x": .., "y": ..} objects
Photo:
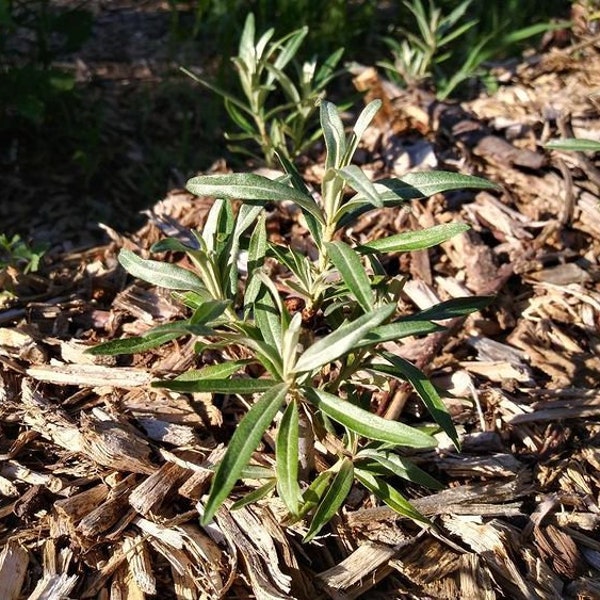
[
  {"x": 316, "y": 386},
  {"x": 286, "y": 127}
]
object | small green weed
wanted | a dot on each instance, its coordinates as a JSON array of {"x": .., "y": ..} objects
[
  {"x": 277, "y": 114},
  {"x": 311, "y": 371},
  {"x": 15, "y": 252}
]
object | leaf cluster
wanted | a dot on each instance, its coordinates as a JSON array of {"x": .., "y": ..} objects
[
  {"x": 277, "y": 110},
  {"x": 317, "y": 380}
]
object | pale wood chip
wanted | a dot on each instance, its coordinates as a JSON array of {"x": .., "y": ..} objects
[
  {"x": 140, "y": 567},
  {"x": 154, "y": 489},
  {"x": 496, "y": 543},
  {"x": 263, "y": 586},
  {"x": 115, "y": 444},
  {"x": 91, "y": 376},
  {"x": 358, "y": 572},
  {"x": 14, "y": 561}
]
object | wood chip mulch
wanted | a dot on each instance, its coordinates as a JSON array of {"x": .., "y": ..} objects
[{"x": 101, "y": 476}]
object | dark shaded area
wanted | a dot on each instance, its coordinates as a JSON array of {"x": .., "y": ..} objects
[{"x": 96, "y": 121}]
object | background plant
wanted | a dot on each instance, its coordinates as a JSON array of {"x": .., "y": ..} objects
[
  {"x": 320, "y": 365},
  {"x": 276, "y": 113},
  {"x": 452, "y": 42}
]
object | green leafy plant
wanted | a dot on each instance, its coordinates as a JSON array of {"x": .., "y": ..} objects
[
  {"x": 276, "y": 113},
  {"x": 310, "y": 369},
  {"x": 448, "y": 49},
  {"x": 15, "y": 252}
]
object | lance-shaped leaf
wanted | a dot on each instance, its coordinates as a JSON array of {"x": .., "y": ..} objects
[
  {"x": 392, "y": 464},
  {"x": 333, "y": 132},
  {"x": 348, "y": 263},
  {"x": 133, "y": 344},
  {"x": 246, "y": 438},
  {"x": 158, "y": 273},
  {"x": 400, "y": 367},
  {"x": 333, "y": 499},
  {"x": 457, "y": 307},
  {"x": 416, "y": 240},
  {"x": 574, "y": 144},
  {"x": 341, "y": 340},
  {"x": 286, "y": 450},
  {"x": 427, "y": 183},
  {"x": 366, "y": 423},
  {"x": 250, "y": 186},
  {"x": 219, "y": 371},
  {"x": 217, "y": 386},
  {"x": 397, "y": 331},
  {"x": 363, "y": 121},
  {"x": 255, "y": 495},
  {"x": 357, "y": 180},
  {"x": 392, "y": 497}
]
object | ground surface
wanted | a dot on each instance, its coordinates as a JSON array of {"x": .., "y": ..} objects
[{"x": 100, "y": 474}]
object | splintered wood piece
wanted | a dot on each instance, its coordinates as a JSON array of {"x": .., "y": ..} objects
[
  {"x": 138, "y": 559},
  {"x": 358, "y": 572},
  {"x": 447, "y": 501},
  {"x": 91, "y": 376},
  {"x": 497, "y": 465},
  {"x": 112, "y": 510},
  {"x": 48, "y": 420},
  {"x": 72, "y": 510},
  {"x": 16, "y": 343},
  {"x": 254, "y": 560},
  {"x": 152, "y": 492},
  {"x": 14, "y": 561},
  {"x": 559, "y": 549},
  {"x": 115, "y": 444},
  {"x": 124, "y": 587},
  {"x": 15, "y": 471},
  {"x": 496, "y": 543},
  {"x": 199, "y": 480},
  {"x": 209, "y": 559},
  {"x": 559, "y": 410},
  {"x": 54, "y": 586},
  {"x": 250, "y": 521}
]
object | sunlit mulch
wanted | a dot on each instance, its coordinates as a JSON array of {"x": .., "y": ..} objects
[{"x": 101, "y": 476}]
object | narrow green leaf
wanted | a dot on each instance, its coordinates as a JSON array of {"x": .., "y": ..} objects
[
  {"x": 268, "y": 319},
  {"x": 257, "y": 250},
  {"x": 158, "y": 273},
  {"x": 574, "y": 144},
  {"x": 342, "y": 340},
  {"x": 392, "y": 497},
  {"x": 222, "y": 370},
  {"x": 286, "y": 451},
  {"x": 457, "y": 307},
  {"x": 348, "y": 263},
  {"x": 399, "y": 466},
  {"x": 246, "y": 438},
  {"x": 209, "y": 311},
  {"x": 362, "y": 123},
  {"x": 218, "y": 386},
  {"x": 133, "y": 344},
  {"x": 314, "y": 492},
  {"x": 416, "y": 240},
  {"x": 255, "y": 495},
  {"x": 250, "y": 186},
  {"x": 397, "y": 331},
  {"x": 367, "y": 424},
  {"x": 426, "y": 390},
  {"x": 427, "y": 183},
  {"x": 357, "y": 180},
  {"x": 333, "y": 499},
  {"x": 333, "y": 132}
]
